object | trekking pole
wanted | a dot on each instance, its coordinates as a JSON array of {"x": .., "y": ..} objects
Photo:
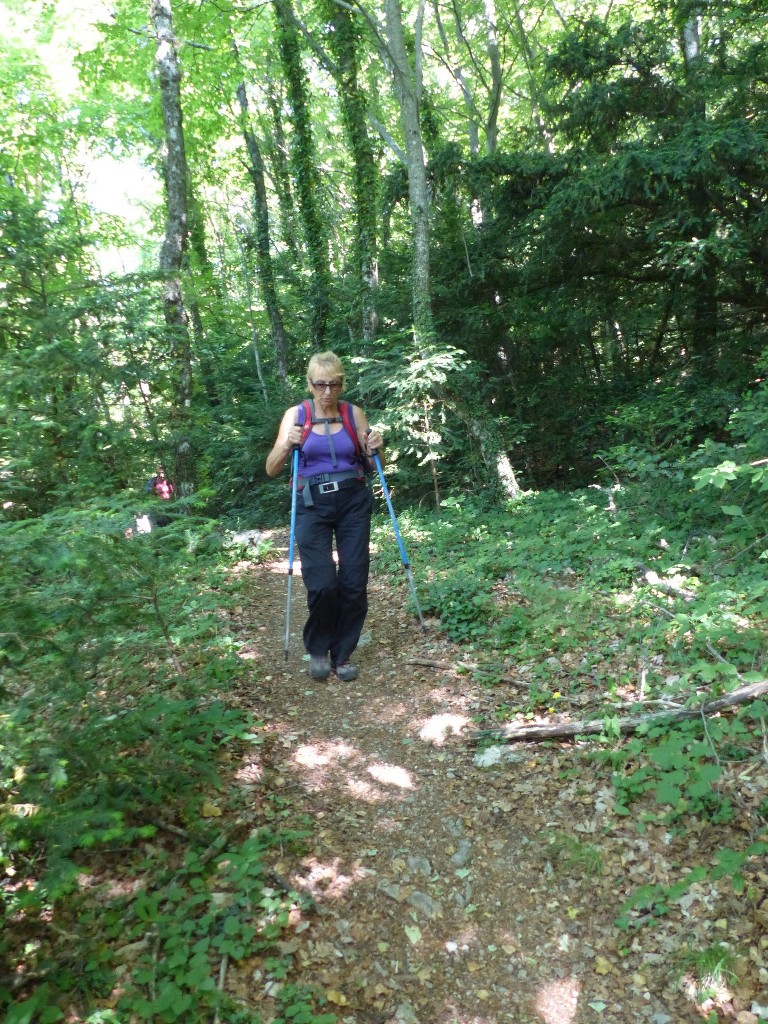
[
  {"x": 400, "y": 544},
  {"x": 294, "y": 491}
]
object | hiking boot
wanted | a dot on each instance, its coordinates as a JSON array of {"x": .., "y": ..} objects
[
  {"x": 346, "y": 672},
  {"x": 319, "y": 666}
]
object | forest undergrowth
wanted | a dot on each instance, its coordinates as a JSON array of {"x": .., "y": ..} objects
[{"x": 142, "y": 880}]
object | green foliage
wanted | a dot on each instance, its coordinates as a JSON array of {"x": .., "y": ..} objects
[
  {"x": 422, "y": 429},
  {"x": 175, "y": 933},
  {"x": 297, "y": 1007},
  {"x": 111, "y": 721},
  {"x": 710, "y": 969},
  {"x": 572, "y": 855},
  {"x": 606, "y": 299},
  {"x": 677, "y": 767},
  {"x": 200, "y": 915},
  {"x": 462, "y": 602},
  {"x": 598, "y": 290},
  {"x": 561, "y": 586},
  {"x": 655, "y": 899},
  {"x": 742, "y": 478},
  {"x": 533, "y": 574}
]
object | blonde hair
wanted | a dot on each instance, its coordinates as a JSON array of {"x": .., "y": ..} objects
[{"x": 324, "y": 363}]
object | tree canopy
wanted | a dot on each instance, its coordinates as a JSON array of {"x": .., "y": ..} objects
[{"x": 513, "y": 221}]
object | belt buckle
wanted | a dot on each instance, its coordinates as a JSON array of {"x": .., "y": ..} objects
[{"x": 329, "y": 487}]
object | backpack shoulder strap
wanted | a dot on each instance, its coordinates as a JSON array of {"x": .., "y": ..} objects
[
  {"x": 305, "y": 414},
  {"x": 348, "y": 419}
]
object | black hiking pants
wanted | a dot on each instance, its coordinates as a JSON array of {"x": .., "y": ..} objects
[{"x": 337, "y": 598}]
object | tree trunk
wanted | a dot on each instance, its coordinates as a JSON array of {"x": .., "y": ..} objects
[
  {"x": 306, "y": 176},
  {"x": 494, "y": 99},
  {"x": 246, "y": 271},
  {"x": 202, "y": 282},
  {"x": 492, "y": 452},
  {"x": 276, "y": 151},
  {"x": 343, "y": 42},
  {"x": 418, "y": 193},
  {"x": 530, "y": 52},
  {"x": 266, "y": 273},
  {"x": 175, "y": 241}
]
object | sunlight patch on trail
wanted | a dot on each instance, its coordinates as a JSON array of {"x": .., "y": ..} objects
[
  {"x": 338, "y": 763},
  {"x": 464, "y": 940},
  {"x": 251, "y": 773},
  {"x": 558, "y": 1001},
  {"x": 392, "y": 775},
  {"x": 319, "y": 755},
  {"x": 438, "y": 728},
  {"x": 362, "y": 790},
  {"x": 321, "y": 764}
]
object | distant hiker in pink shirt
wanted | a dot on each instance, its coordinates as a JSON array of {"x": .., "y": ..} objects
[{"x": 160, "y": 485}]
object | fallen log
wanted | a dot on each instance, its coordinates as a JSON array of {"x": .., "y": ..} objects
[{"x": 625, "y": 726}]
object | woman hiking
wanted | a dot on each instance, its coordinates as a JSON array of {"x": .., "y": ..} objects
[{"x": 333, "y": 501}]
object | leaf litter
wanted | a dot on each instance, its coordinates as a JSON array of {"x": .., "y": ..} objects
[{"x": 451, "y": 886}]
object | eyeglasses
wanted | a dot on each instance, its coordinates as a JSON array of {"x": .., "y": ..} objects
[{"x": 321, "y": 385}]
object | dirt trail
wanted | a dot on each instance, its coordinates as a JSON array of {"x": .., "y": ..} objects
[{"x": 445, "y": 893}]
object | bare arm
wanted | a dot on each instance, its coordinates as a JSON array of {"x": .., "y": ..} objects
[{"x": 288, "y": 437}]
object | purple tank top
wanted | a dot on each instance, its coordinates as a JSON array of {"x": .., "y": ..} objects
[{"x": 316, "y": 458}]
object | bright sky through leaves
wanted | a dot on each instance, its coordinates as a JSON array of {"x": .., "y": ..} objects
[{"x": 117, "y": 187}]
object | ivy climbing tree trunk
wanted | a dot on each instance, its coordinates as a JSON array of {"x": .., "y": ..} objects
[
  {"x": 343, "y": 42},
  {"x": 308, "y": 186},
  {"x": 175, "y": 241},
  {"x": 276, "y": 153},
  {"x": 495, "y": 458},
  {"x": 407, "y": 92},
  {"x": 263, "y": 248},
  {"x": 492, "y": 83},
  {"x": 247, "y": 277}
]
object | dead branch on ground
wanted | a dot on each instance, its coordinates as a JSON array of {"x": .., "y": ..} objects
[{"x": 625, "y": 726}]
